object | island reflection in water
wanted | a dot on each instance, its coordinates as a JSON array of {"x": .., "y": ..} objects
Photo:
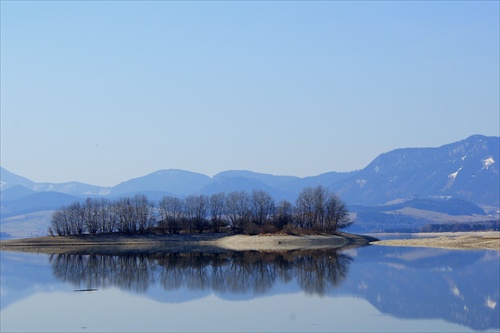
[
  {"x": 316, "y": 271},
  {"x": 412, "y": 283}
]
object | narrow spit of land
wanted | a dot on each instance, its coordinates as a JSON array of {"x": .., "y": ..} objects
[
  {"x": 196, "y": 242},
  {"x": 117, "y": 243},
  {"x": 489, "y": 240}
]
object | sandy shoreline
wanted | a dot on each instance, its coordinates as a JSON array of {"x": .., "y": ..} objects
[
  {"x": 202, "y": 242},
  {"x": 460, "y": 240},
  {"x": 215, "y": 242},
  {"x": 288, "y": 242}
]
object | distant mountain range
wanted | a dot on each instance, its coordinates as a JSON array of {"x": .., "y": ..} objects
[{"x": 466, "y": 170}]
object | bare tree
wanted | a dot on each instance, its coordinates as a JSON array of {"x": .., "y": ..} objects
[
  {"x": 171, "y": 213},
  {"x": 337, "y": 214},
  {"x": 92, "y": 216},
  {"x": 217, "y": 208},
  {"x": 59, "y": 224},
  {"x": 238, "y": 209},
  {"x": 143, "y": 213},
  {"x": 76, "y": 219},
  {"x": 319, "y": 207},
  {"x": 196, "y": 207},
  {"x": 262, "y": 205},
  {"x": 106, "y": 216},
  {"x": 90, "y": 211},
  {"x": 304, "y": 208},
  {"x": 134, "y": 215},
  {"x": 124, "y": 211},
  {"x": 284, "y": 214}
]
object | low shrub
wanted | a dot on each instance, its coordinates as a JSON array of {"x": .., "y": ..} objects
[{"x": 250, "y": 228}]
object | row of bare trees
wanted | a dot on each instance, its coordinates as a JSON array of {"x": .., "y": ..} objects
[
  {"x": 99, "y": 216},
  {"x": 316, "y": 209}
]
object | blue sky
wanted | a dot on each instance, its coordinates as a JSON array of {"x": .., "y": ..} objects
[{"x": 101, "y": 92}]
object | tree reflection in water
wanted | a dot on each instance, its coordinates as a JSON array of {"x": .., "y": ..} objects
[{"x": 316, "y": 271}]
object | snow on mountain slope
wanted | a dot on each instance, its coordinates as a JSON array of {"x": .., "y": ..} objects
[{"x": 464, "y": 169}]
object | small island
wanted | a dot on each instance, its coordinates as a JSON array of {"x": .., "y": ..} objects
[
  {"x": 209, "y": 242},
  {"x": 235, "y": 221}
]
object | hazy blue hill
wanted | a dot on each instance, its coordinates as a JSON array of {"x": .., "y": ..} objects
[
  {"x": 8, "y": 179},
  {"x": 451, "y": 206},
  {"x": 325, "y": 179},
  {"x": 154, "y": 196},
  {"x": 72, "y": 188},
  {"x": 268, "y": 179},
  {"x": 36, "y": 202},
  {"x": 393, "y": 217},
  {"x": 15, "y": 192},
  {"x": 177, "y": 182},
  {"x": 467, "y": 169},
  {"x": 280, "y": 187},
  {"x": 230, "y": 184}
]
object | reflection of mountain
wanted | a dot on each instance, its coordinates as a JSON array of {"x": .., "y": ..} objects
[
  {"x": 316, "y": 271},
  {"x": 457, "y": 286},
  {"x": 21, "y": 275},
  {"x": 413, "y": 283}
]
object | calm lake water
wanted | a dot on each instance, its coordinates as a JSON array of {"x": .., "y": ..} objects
[{"x": 367, "y": 289}]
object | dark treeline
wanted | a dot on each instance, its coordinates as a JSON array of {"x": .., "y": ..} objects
[
  {"x": 461, "y": 226},
  {"x": 317, "y": 272},
  {"x": 316, "y": 209}
]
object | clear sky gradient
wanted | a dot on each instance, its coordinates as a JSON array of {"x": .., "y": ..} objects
[{"x": 101, "y": 92}]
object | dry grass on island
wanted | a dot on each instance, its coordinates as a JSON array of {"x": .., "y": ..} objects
[
  {"x": 183, "y": 242},
  {"x": 489, "y": 240}
]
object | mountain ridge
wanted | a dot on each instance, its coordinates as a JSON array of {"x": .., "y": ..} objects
[{"x": 466, "y": 169}]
